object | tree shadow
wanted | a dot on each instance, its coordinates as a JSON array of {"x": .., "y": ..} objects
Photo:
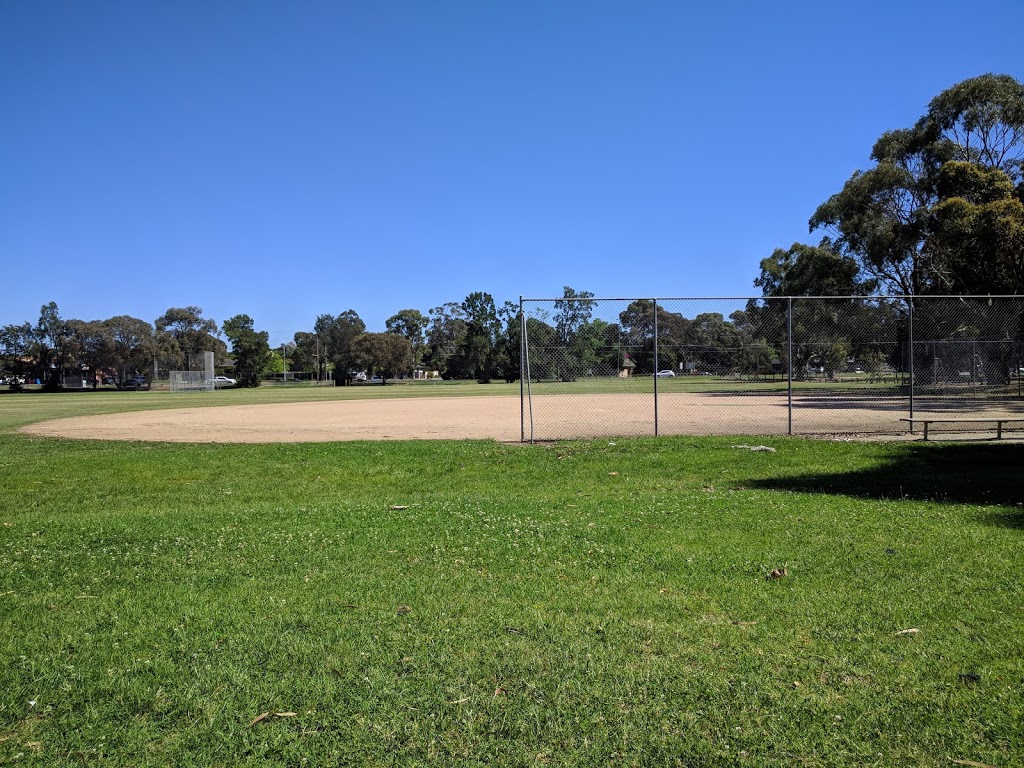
[{"x": 988, "y": 475}]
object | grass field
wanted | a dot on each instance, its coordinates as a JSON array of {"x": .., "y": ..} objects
[{"x": 471, "y": 603}]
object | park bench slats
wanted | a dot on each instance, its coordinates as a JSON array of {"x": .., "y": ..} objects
[{"x": 929, "y": 420}]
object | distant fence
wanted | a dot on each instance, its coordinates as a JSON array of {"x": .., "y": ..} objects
[
  {"x": 757, "y": 366},
  {"x": 198, "y": 378}
]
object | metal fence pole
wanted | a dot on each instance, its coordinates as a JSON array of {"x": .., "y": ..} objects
[
  {"x": 910, "y": 364},
  {"x": 789, "y": 362},
  {"x": 524, "y": 363},
  {"x": 654, "y": 302},
  {"x": 522, "y": 368}
]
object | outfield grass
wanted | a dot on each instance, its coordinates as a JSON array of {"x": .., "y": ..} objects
[{"x": 469, "y": 603}]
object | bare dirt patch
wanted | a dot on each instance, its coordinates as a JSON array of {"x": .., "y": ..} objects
[
  {"x": 449, "y": 418},
  {"x": 554, "y": 417}
]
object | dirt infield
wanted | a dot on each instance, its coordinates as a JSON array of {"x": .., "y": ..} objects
[
  {"x": 460, "y": 418},
  {"x": 448, "y": 418}
]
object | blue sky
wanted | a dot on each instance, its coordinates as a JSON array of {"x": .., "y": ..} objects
[{"x": 286, "y": 160}]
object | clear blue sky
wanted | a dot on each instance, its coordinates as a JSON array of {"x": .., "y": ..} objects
[{"x": 286, "y": 160}]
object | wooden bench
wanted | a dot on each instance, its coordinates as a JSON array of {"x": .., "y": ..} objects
[{"x": 997, "y": 420}]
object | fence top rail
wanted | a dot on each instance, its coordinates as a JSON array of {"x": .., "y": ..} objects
[{"x": 984, "y": 297}]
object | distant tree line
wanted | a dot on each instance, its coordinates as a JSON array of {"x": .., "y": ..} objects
[
  {"x": 54, "y": 347},
  {"x": 472, "y": 339}
]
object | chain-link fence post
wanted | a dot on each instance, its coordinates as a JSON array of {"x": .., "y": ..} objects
[
  {"x": 910, "y": 364},
  {"x": 654, "y": 304},
  {"x": 522, "y": 372},
  {"x": 524, "y": 375},
  {"x": 789, "y": 363}
]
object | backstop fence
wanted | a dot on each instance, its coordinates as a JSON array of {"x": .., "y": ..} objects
[
  {"x": 761, "y": 366},
  {"x": 198, "y": 378}
]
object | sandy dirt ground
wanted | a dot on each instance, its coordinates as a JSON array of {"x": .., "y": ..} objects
[
  {"x": 553, "y": 417},
  {"x": 451, "y": 418}
]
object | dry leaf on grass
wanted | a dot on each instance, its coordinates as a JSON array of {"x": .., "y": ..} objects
[
  {"x": 911, "y": 631},
  {"x": 499, "y": 691},
  {"x": 260, "y": 718},
  {"x": 614, "y": 474},
  {"x": 399, "y": 506},
  {"x": 402, "y": 610},
  {"x": 778, "y": 573},
  {"x": 973, "y": 763}
]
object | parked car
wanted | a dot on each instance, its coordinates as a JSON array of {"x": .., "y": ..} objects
[
  {"x": 666, "y": 374},
  {"x": 223, "y": 381},
  {"x": 136, "y": 382}
]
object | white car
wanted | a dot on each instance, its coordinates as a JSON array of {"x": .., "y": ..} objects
[
  {"x": 666, "y": 374},
  {"x": 223, "y": 381}
]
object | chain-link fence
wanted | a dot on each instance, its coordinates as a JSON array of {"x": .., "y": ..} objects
[{"x": 800, "y": 365}]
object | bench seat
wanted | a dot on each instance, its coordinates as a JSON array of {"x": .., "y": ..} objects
[{"x": 997, "y": 420}]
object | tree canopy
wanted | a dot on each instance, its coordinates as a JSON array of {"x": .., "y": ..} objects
[
  {"x": 183, "y": 331},
  {"x": 336, "y": 334},
  {"x": 809, "y": 270},
  {"x": 250, "y": 349},
  {"x": 411, "y": 324},
  {"x": 386, "y": 354},
  {"x": 942, "y": 210}
]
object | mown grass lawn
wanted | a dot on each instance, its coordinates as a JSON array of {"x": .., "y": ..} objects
[{"x": 470, "y": 603}]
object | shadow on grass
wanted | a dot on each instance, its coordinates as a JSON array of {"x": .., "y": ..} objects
[{"x": 959, "y": 474}]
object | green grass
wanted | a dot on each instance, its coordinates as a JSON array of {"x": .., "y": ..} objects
[{"x": 470, "y": 603}]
